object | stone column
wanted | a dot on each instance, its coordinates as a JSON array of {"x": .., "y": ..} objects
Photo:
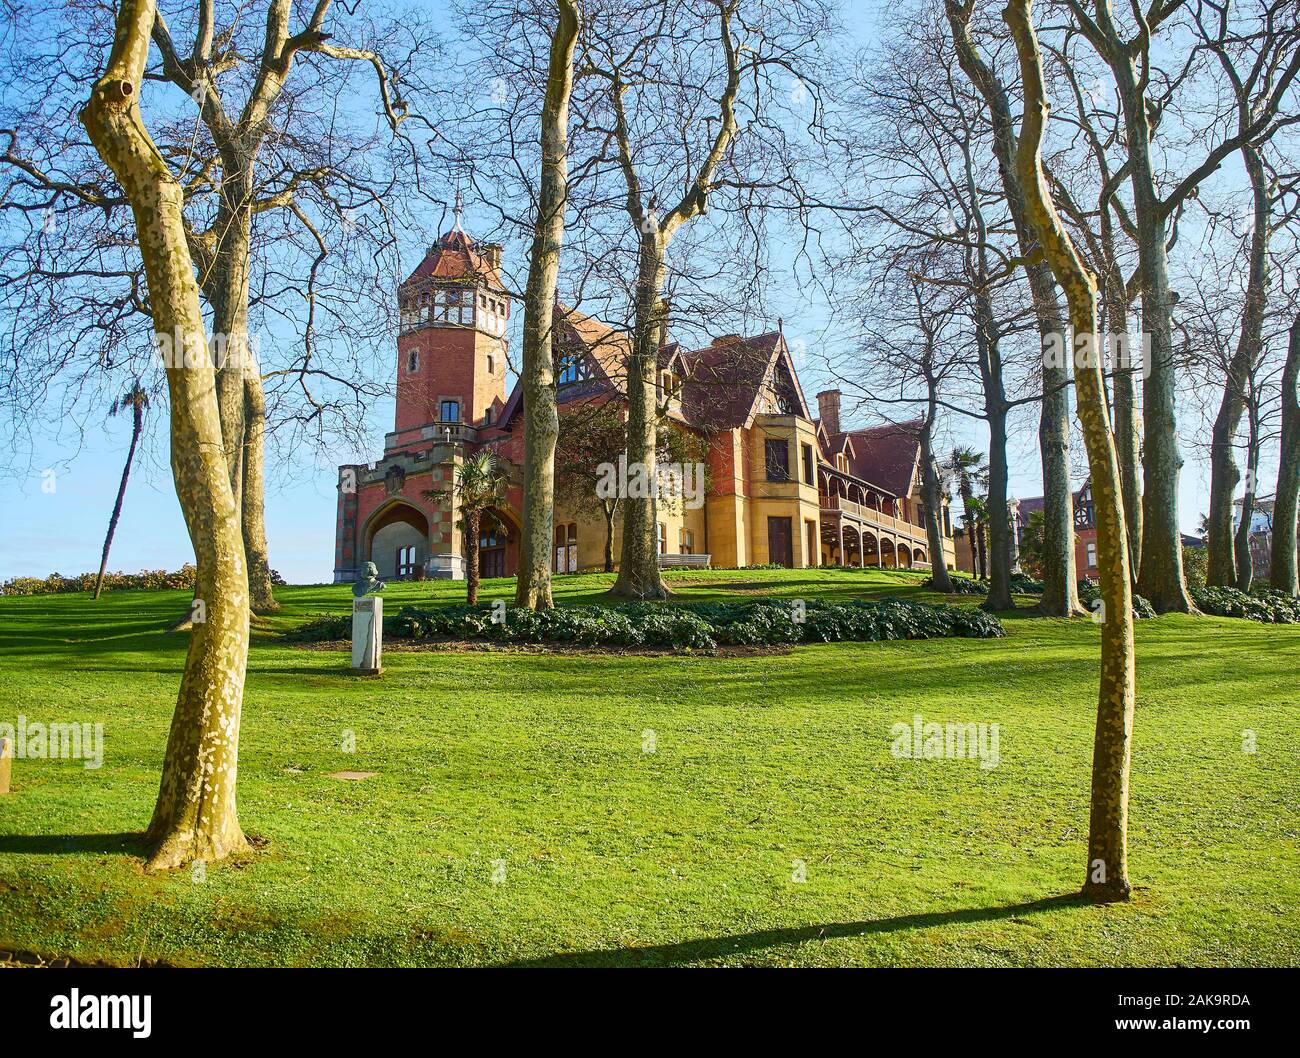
[{"x": 367, "y": 634}]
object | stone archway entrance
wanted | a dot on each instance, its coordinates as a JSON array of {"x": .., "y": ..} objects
[{"x": 397, "y": 541}]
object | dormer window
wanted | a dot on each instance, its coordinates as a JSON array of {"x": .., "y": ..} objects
[{"x": 572, "y": 368}]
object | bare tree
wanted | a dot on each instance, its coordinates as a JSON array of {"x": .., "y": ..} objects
[
  {"x": 1107, "y": 874},
  {"x": 195, "y": 816},
  {"x": 1060, "y": 595},
  {"x": 537, "y": 376},
  {"x": 1282, "y": 570},
  {"x": 284, "y": 202},
  {"x": 1146, "y": 95}
]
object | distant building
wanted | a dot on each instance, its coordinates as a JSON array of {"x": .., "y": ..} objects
[
  {"x": 785, "y": 486},
  {"x": 1261, "y": 534}
]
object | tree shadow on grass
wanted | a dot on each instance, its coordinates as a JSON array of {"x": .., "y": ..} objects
[
  {"x": 743, "y": 943},
  {"x": 127, "y": 843}
]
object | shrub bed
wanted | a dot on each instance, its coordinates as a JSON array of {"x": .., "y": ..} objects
[
  {"x": 146, "y": 579},
  {"x": 960, "y": 585},
  {"x": 1270, "y": 607},
  {"x": 1090, "y": 593},
  {"x": 688, "y": 626}
]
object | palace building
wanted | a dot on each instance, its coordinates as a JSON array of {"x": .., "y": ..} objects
[{"x": 786, "y": 484}]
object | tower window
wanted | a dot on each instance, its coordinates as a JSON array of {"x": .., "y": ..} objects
[
  {"x": 449, "y": 411},
  {"x": 492, "y": 365},
  {"x": 413, "y": 361}
]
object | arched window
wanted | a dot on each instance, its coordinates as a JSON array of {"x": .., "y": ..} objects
[{"x": 413, "y": 361}]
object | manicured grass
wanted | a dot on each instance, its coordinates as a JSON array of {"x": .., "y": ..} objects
[{"x": 531, "y": 766}]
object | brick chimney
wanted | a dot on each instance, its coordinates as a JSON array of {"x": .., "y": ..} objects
[{"x": 828, "y": 407}]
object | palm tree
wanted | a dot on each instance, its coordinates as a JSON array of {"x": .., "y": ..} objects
[
  {"x": 137, "y": 400},
  {"x": 479, "y": 486},
  {"x": 966, "y": 470}
]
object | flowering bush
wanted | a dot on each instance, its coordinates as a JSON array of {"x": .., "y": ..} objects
[{"x": 56, "y": 583}]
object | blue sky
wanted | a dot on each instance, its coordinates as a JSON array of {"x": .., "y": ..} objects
[{"x": 57, "y": 523}]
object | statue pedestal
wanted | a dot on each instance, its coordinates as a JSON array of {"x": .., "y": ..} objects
[{"x": 367, "y": 634}]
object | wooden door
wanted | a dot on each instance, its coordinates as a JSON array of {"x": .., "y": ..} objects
[{"x": 780, "y": 542}]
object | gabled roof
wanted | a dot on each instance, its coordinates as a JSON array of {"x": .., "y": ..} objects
[
  {"x": 886, "y": 455},
  {"x": 457, "y": 256},
  {"x": 726, "y": 379},
  {"x": 721, "y": 384}
]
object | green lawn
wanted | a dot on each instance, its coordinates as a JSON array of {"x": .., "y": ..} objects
[{"x": 529, "y": 767}]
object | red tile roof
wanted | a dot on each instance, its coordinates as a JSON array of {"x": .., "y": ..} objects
[
  {"x": 884, "y": 455},
  {"x": 457, "y": 256},
  {"x": 723, "y": 380}
]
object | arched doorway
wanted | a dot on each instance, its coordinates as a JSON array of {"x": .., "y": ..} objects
[
  {"x": 396, "y": 539},
  {"x": 886, "y": 552},
  {"x": 904, "y": 556},
  {"x": 498, "y": 543},
  {"x": 870, "y": 549}
]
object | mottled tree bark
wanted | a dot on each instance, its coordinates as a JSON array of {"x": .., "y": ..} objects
[
  {"x": 1127, "y": 427},
  {"x": 1282, "y": 567},
  {"x": 541, "y": 419},
  {"x": 1225, "y": 557},
  {"x": 638, "y": 568},
  {"x": 1060, "y": 592},
  {"x": 1241, "y": 539},
  {"x": 253, "y": 510},
  {"x": 1107, "y": 871},
  {"x": 638, "y": 573},
  {"x": 1161, "y": 576},
  {"x": 195, "y": 816}
]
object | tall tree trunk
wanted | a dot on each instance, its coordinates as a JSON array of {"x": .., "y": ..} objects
[
  {"x": 609, "y": 509},
  {"x": 1161, "y": 576},
  {"x": 1282, "y": 565},
  {"x": 1127, "y": 426},
  {"x": 137, "y": 423},
  {"x": 998, "y": 556},
  {"x": 1224, "y": 555},
  {"x": 261, "y": 591},
  {"x": 472, "y": 520},
  {"x": 932, "y": 497},
  {"x": 1060, "y": 591},
  {"x": 195, "y": 816},
  {"x": 1241, "y": 541},
  {"x": 541, "y": 419},
  {"x": 638, "y": 568},
  {"x": 1107, "y": 871}
]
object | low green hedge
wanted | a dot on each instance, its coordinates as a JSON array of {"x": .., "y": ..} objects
[
  {"x": 688, "y": 626},
  {"x": 1271, "y": 607},
  {"x": 960, "y": 585}
]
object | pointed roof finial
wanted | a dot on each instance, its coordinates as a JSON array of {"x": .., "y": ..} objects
[{"x": 460, "y": 209}]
